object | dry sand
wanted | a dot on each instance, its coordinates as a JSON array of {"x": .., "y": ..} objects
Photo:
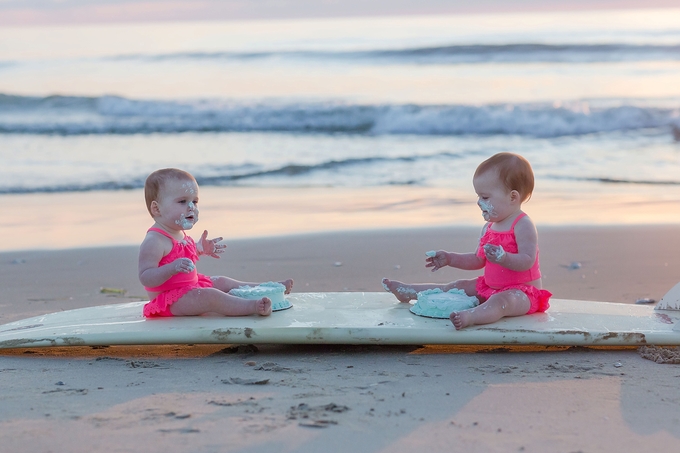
[{"x": 341, "y": 398}]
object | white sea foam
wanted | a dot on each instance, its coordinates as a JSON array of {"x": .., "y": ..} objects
[{"x": 115, "y": 115}]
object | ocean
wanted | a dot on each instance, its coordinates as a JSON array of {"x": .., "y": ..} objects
[{"x": 592, "y": 99}]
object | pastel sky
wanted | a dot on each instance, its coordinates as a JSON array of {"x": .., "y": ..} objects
[{"x": 61, "y": 12}]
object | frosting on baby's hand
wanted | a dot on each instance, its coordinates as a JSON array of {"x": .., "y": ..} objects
[
  {"x": 184, "y": 265},
  {"x": 494, "y": 253},
  {"x": 436, "y": 260}
]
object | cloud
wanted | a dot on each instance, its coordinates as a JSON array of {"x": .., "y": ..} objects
[{"x": 44, "y": 12}]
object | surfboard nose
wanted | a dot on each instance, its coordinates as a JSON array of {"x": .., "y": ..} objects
[{"x": 671, "y": 300}]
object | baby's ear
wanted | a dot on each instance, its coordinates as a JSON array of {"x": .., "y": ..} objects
[
  {"x": 155, "y": 211},
  {"x": 514, "y": 196}
]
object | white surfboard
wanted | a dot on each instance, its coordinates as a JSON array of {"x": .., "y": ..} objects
[{"x": 348, "y": 318}]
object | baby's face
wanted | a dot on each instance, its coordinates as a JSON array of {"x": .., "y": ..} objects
[
  {"x": 493, "y": 197},
  {"x": 178, "y": 204}
]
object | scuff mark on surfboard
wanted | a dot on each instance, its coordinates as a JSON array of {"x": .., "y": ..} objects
[
  {"x": 627, "y": 337},
  {"x": 72, "y": 341},
  {"x": 315, "y": 334},
  {"x": 222, "y": 335},
  {"x": 609, "y": 337},
  {"x": 230, "y": 334},
  {"x": 27, "y": 342},
  {"x": 664, "y": 318},
  {"x": 585, "y": 334},
  {"x": 32, "y": 326}
]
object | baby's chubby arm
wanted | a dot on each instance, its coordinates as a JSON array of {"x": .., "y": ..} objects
[
  {"x": 466, "y": 261},
  {"x": 152, "y": 250},
  {"x": 210, "y": 247},
  {"x": 527, "y": 247},
  {"x": 441, "y": 258}
]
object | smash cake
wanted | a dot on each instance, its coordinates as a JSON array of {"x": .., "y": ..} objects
[
  {"x": 435, "y": 303},
  {"x": 273, "y": 290}
]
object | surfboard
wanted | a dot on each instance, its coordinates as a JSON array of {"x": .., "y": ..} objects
[{"x": 348, "y": 318}]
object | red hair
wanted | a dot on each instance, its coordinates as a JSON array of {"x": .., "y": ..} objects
[
  {"x": 513, "y": 170},
  {"x": 155, "y": 181}
]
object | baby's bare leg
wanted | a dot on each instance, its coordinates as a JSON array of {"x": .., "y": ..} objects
[
  {"x": 263, "y": 307},
  {"x": 212, "y": 300},
  {"x": 226, "y": 284},
  {"x": 288, "y": 284},
  {"x": 405, "y": 292},
  {"x": 508, "y": 303},
  {"x": 467, "y": 285}
]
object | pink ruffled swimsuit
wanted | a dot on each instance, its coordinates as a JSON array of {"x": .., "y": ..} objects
[
  {"x": 179, "y": 284},
  {"x": 497, "y": 278}
]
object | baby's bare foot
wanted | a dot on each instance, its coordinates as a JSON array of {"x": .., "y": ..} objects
[
  {"x": 263, "y": 307},
  {"x": 288, "y": 284},
  {"x": 461, "y": 319},
  {"x": 401, "y": 291}
]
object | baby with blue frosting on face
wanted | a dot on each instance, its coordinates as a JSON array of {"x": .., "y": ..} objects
[
  {"x": 168, "y": 257},
  {"x": 507, "y": 251}
]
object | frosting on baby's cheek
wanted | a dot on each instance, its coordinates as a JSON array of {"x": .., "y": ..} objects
[
  {"x": 487, "y": 208},
  {"x": 185, "y": 223}
]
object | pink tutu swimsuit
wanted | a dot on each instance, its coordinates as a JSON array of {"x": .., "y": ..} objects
[
  {"x": 497, "y": 278},
  {"x": 179, "y": 284}
]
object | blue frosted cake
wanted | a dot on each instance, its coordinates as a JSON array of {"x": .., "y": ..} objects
[
  {"x": 273, "y": 290},
  {"x": 435, "y": 303}
]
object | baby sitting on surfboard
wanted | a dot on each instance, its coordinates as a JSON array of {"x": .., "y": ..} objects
[
  {"x": 507, "y": 250},
  {"x": 167, "y": 256}
]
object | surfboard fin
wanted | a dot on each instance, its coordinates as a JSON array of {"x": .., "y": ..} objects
[{"x": 671, "y": 300}]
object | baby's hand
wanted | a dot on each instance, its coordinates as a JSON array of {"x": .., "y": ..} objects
[
  {"x": 494, "y": 253},
  {"x": 436, "y": 260},
  {"x": 184, "y": 265},
  {"x": 209, "y": 246}
]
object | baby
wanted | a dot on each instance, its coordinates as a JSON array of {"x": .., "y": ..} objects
[
  {"x": 167, "y": 256},
  {"x": 507, "y": 250}
]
